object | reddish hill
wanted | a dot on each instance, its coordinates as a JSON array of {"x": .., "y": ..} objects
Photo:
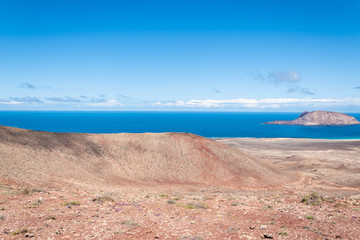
[{"x": 98, "y": 160}]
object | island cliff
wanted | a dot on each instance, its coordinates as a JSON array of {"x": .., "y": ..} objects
[{"x": 320, "y": 118}]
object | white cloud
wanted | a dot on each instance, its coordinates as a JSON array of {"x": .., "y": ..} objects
[
  {"x": 279, "y": 77},
  {"x": 236, "y": 104},
  {"x": 107, "y": 103},
  {"x": 10, "y": 102},
  {"x": 259, "y": 103},
  {"x": 289, "y": 79}
]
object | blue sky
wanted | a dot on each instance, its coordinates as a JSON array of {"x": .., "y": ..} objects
[{"x": 256, "y": 55}]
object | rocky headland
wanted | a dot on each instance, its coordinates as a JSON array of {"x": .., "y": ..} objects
[{"x": 320, "y": 118}]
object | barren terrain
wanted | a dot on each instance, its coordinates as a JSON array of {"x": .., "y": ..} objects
[
  {"x": 331, "y": 166},
  {"x": 176, "y": 186}
]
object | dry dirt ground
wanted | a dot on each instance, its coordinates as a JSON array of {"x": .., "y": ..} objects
[
  {"x": 238, "y": 188},
  {"x": 331, "y": 166},
  {"x": 174, "y": 213}
]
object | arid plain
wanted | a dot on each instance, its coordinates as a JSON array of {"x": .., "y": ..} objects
[{"x": 176, "y": 186}]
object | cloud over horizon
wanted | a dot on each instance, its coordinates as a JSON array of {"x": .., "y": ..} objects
[
  {"x": 290, "y": 79},
  {"x": 26, "y": 99},
  {"x": 63, "y": 99},
  {"x": 27, "y": 85},
  {"x": 236, "y": 104},
  {"x": 265, "y": 103},
  {"x": 300, "y": 90},
  {"x": 281, "y": 77}
]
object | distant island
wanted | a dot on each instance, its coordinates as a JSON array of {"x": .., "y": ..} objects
[{"x": 320, "y": 118}]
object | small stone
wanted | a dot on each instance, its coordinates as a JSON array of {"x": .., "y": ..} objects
[
  {"x": 29, "y": 235},
  {"x": 338, "y": 237},
  {"x": 252, "y": 227},
  {"x": 268, "y": 236},
  {"x": 263, "y": 227},
  {"x": 2, "y": 217},
  {"x": 157, "y": 237}
]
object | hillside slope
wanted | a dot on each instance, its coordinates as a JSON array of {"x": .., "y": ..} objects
[{"x": 98, "y": 160}]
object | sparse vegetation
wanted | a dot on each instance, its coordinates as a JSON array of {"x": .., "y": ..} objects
[
  {"x": 313, "y": 198},
  {"x": 130, "y": 223},
  {"x": 171, "y": 201},
  {"x": 234, "y": 204},
  {"x": 283, "y": 233},
  {"x": 208, "y": 198},
  {"x": 187, "y": 206},
  {"x": 232, "y": 230},
  {"x": 309, "y": 217},
  {"x": 40, "y": 190},
  {"x": 28, "y": 191},
  {"x": 105, "y": 198},
  {"x": 37, "y": 202},
  {"x": 193, "y": 206},
  {"x": 163, "y": 195},
  {"x": 71, "y": 203},
  {"x": 20, "y": 231},
  {"x": 51, "y": 217},
  {"x": 191, "y": 238},
  {"x": 330, "y": 200},
  {"x": 25, "y": 191}
]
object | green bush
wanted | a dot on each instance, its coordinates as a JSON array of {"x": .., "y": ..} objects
[
  {"x": 313, "y": 198},
  {"x": 72, "y": 203},
  {"x": 19, "y": 231}
]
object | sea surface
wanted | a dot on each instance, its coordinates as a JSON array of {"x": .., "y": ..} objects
[{"x": 207, "y": 124}]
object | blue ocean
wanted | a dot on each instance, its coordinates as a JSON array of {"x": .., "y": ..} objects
[{"x": 207, "y": 124}]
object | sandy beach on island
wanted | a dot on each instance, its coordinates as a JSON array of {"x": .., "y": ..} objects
[{"x": 176, "y": 186}]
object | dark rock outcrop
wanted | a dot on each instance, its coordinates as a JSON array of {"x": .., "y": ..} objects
[{"x": 320, "y": 118}]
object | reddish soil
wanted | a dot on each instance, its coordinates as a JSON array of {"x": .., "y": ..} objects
[
  {"x": 111, "y": 160},
  {"x": 176, "y": 186},
  {"x": 174, "y": 214}
]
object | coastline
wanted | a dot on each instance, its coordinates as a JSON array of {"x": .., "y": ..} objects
[
  {"x": 206, "y": 124},
  {"x": 289, "y": 138}
]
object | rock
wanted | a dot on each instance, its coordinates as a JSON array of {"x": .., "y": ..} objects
[
  {"x": 320, "y": 118},
  {"x": 29, "y": 235},
  {"x": 268, "y": 236},
  {"x": 263, "y": 227}
]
